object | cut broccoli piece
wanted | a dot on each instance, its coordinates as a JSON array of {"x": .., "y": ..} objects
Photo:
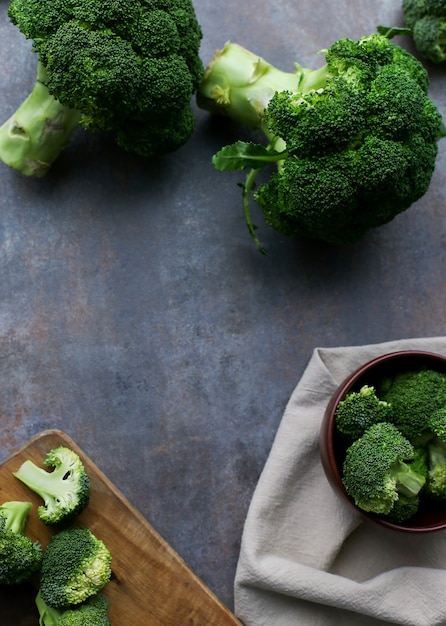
[
  {"x": 20, "y": 557},
  {"x": 92, "y": 612},
  {"x": 65, "y": 490},
  {"x": 436, "y": 477},
  {"x": 359, "y": 410},
  {"x": 416, "y": 396},
  {"x": 355, "y": 141},
  {"x": 75, "y": 566},
  {"x": 377, "y": 469}
]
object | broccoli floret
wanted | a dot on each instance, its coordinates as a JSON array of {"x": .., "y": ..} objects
[
  {"x": 416, "y": 397},
  {"x": 20, "y": 557},
  {"x": 377, "y": 469},
  {"x": 359, "y": 410},
  {"x": 427, "y": 21},
  {"x": 65, "y": 490},
  {"x": 92, "y": 612},
  {"x": 436, "y": 477},
  {"x": 76, "y": 565},
  {"x": 128, "y": 69},
  {"x": 355, "y": 141}
]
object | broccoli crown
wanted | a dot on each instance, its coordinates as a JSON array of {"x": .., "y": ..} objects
[
  {"x": 359, "y": 410},
  {"x": 20, "y": 557},
  {"x": 427, "y": 20},
  {"x": 418, "y": 398},
  {"x": 76, "y": 565},
  {"x": 128, "y": 67},
  {"x": 355, "y": 141},
  {"x": 359, "y": 150},
  {"x": 65, "y": 490},
  {"x": 377, "y": 469},
  {"x": 92, "y": 612}
]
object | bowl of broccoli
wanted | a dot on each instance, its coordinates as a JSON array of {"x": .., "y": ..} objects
[{"x": 383, "y": 441}]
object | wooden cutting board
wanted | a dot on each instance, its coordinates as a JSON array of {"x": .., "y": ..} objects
[{"x": 151, "y": 584}]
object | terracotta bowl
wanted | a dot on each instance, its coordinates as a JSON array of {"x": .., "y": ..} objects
[{"x": 431, "y": 516}]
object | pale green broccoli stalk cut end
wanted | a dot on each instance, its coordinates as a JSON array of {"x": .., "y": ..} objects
[
  {"x": 92, "y": 612},
  {"x": 354, "y": 141},
  {"x": 20, "y": 557},
  {"x": 33, "y": 137},
  {"x": 76, "y": 565},
  {"x": 65, "y": 490}
]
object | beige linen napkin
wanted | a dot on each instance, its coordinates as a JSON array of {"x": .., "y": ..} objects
[{"x": 306, "y": 559}]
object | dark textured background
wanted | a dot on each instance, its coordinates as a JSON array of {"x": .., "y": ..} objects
[{"x": 137, "y": 315}]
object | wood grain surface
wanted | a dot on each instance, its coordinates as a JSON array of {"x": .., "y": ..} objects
[{"x": 151, "y": 585}]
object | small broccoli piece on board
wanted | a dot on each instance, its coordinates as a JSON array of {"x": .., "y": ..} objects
[
  {"x": 92, "y": 612},
  {"x": 65, "y": 490},
  {"x": 20, "y": 557},
  {"x": 76, "y": 565}
]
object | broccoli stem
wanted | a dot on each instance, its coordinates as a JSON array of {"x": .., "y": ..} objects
[
  {"x": 240, "y": 84},
  {"x": 33, "y": 137},
  {"x": 408, "y": 482},
  {"x": 15, "y": 514},
  {"x": 46, "y": 484}
]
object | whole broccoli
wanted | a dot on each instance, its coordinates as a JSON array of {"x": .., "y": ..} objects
[
  {"x": 355, "y": 141},
  {"x": 126, "y": 68},
  {"x": 65, "y": 490},
  {"x": 92, "y": 612},
  {"x": 20, "y": 557},
  {"x": 427, "y": 21},
  {"x": 359, "y": 410},
  {"x": 377, "y": 470},
  {"x": 416, "y": 398},
  {"x": 76, "y": 565}
]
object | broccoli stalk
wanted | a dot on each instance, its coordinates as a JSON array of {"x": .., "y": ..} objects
[
  {"x": 33, "y": 137},
  {"x": 20, "y": 557},
  {"x": 65, "y": 490},
  {"x": 436, "y": 477},
  {"x": 355, "y": 141}
]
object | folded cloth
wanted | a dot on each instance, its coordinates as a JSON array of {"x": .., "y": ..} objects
[{"x": 306, "y": 559}]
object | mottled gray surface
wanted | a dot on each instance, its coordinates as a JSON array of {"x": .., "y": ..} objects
[{"x": 136, "y": 314}]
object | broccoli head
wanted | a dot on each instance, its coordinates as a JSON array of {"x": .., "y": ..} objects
[
  {"x": 20, "y": 557},
  {"x": 359, "y": 410},
  {"x": 76, "y": 565},
  {"x": 427, "y": 21},
  {"x": 377, "y": 470},
  {"x": 417, "y": 398},
  {"x": 128, "y": 69},
  {"x": 65, "y": 490},
  {"x": 92, "y": 612},
  {"x": 354, "y": 141}
]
